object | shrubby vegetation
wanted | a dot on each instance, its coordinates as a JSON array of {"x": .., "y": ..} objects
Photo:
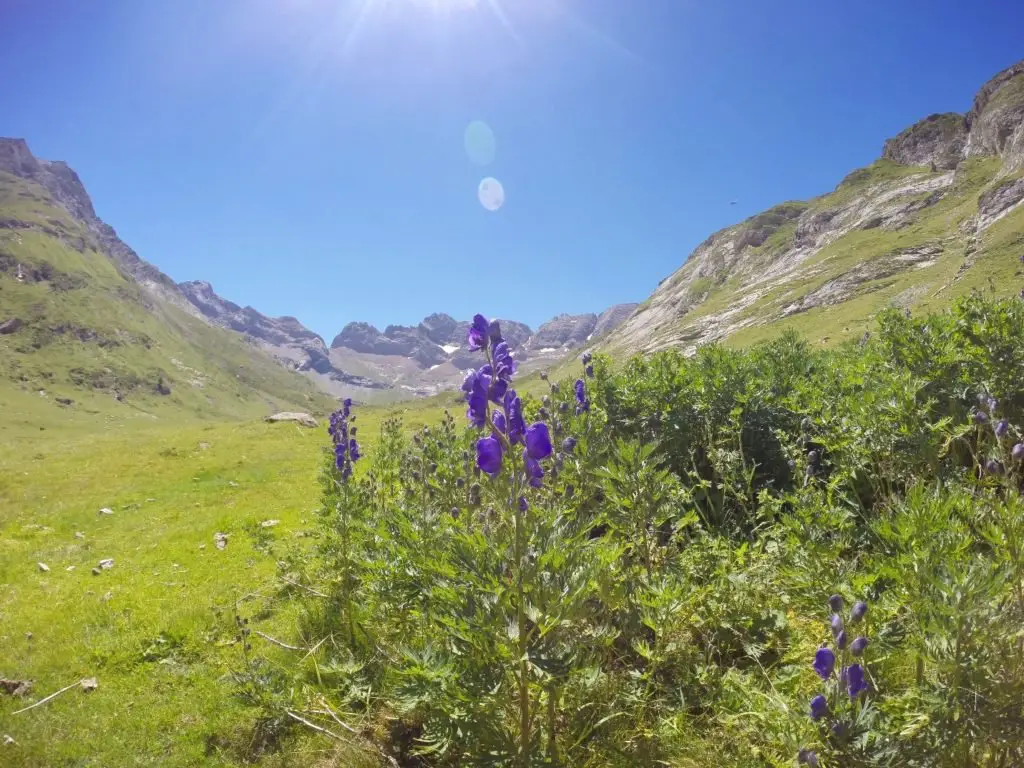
[{"x": 661, "y": 592}]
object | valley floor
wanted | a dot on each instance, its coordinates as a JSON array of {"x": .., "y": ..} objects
[{"x": 157, "y": 629}]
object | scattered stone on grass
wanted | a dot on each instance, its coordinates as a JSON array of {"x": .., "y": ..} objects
[
  {"x": 299, "y": 418},
  {"x": 269, "y": 523},
  {"x": 79, "y": 535},
  {"x": 9, "y": 741},
  {"x": 108, "y": 597},
  {"x": 106, "y": 511},
  {"x": 96, "y": 571},
  {"x": 43, "y": 567},
  {"x": 107, "y": 563},
  {"x": 204, "y": 446},
  {"x": 15, "y": 687},
  {"x": 220, "y": 540},
  {"x": 70, "y": 568},
  {"x": 89, "y": 684}
]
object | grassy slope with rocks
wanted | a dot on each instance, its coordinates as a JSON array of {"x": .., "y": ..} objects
[
  {"x": 941, "y": 214},
  {"x": 92, "y": 335}
]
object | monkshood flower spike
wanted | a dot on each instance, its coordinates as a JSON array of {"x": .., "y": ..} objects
[
  {"x": 346, "y": 448},
  {"x": 836, "y": 709}
]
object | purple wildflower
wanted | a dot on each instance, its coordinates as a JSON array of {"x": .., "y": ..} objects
[
  {"x": 980, "y": 417},
  {"x": 819, "y": 707},
  {"x": 569, "y": 445},
  {"x": 580, "y": 390},
  {"x": 586, "y": 358},
  {"x": 837, "y": 624},
  {"x": 841, "y": 640},
  {"x": 858, "y": 646},
  {"x": 589, "y": 370},
  {"x": 824, "y": 663},
  {"x": 836, "y": 603},
  {"x": 514, "y": 413},
  {"x": 538, "y": 441},
  {"x": 1018, "y": 452},
  {"x": 1002, "y": 427},
  {"x": 855, "y": 680},
  {"x": 523, "y": 504},
  {"x": 488, "y": 455},
  {"x": 478, "y": 332},
  {"x": 807, "y": 757},
  {"x": 994, "y": 467}
]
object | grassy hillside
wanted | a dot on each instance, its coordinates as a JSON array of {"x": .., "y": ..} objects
[{"x": 91, "y": 335}]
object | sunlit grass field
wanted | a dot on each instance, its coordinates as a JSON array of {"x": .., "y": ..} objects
[{"x": 157, "y": 629}]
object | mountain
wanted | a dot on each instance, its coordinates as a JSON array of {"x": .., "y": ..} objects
[
  {"x": 401, "y": 361},
  {"x": 939, "y": 214},
  {"x": 89, "y": 326}
]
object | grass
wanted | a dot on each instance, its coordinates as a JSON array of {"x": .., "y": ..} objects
[
  {"x": 91, "y": 335},
  {"x": 157, "y": 629}
]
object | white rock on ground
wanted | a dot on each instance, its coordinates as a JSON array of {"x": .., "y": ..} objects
[{"x": 299, "y": 418}]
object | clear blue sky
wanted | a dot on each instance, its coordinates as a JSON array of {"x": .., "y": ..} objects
[{"x": 307, "y": 156}]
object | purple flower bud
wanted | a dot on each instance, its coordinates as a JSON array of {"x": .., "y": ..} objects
[
  {"x": 807, "y": 757},
  {"x": 488, "y": 455},
  {"x": 569, "y": 444},
  {"x": 494, "y": 332},
  {"x": 538, "y": 441},
  {"x": 837, "y": 624},
  {"x": 994, "y": 467},
  {"x": 586, "y": 358},
  {"x": 523, "y": 504},
  {"x": 841, "y": 640},
  {"x": 836, "y": 603},
  {"x": 1018, "y": 452},
  {"x": 819, "y": 707},
  {"x": 860, "y": 608},
  {"x": 980, "y": 417},
  {"x": 824, "y": 663},
  {"x": 498, "y": 419},
  {"x": 992, "y": 404},
  {"x": 839, "y": 730},
  {"x": 589, "y": 370},
  {"x": 1002, "y": 427},
  {"x": 544, "y": 375},
  {"x": 855, "y": 680},
  {"x": 858, "y": 646},
  {"x": 534, "y": 471}
]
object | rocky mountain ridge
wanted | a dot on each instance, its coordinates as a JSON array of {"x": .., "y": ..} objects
[
  {"x": 940, "y": 213},
  {"x": 400, "y": 361}
]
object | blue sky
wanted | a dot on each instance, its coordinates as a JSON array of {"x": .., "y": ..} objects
[{"x": 307, "y": 157}]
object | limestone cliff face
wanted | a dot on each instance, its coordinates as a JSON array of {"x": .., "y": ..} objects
[{"x": 937, "y": 215}]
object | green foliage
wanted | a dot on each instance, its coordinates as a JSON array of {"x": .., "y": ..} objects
[{"x": 663, "y": 595}]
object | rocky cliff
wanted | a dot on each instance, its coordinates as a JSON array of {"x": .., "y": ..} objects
[{"x": 941, "y": 213}]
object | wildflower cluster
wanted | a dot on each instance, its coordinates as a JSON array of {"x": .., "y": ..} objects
[
  {"x": 843, "y": 672},
  {"x": 490, "y": 399},
  {"x": 346, "y": 449},
  {"x": 987, "y": 412}
]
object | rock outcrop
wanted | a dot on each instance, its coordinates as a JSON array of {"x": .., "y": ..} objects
[{"x": 67, "y": 190}]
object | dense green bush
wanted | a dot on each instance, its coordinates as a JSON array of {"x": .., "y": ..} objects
[{"x": 660, "y": 599}]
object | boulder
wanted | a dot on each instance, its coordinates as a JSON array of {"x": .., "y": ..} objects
[{"x": 299, "y": 418}]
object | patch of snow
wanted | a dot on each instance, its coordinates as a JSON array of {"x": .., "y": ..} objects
[
  {"x": 548, "y": 349},
  {"x": 434, "y": 366},
  {"x": 449, "y": 348},
  {"x": 590, "y": 337}
]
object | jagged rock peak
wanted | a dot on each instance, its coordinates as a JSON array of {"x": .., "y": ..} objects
[
  {"x": 937, "y": 139},
  {"x": 991, "y": 127}
]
